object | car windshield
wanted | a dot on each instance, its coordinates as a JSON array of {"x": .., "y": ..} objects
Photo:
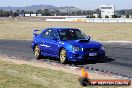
[{"x": 71, "y": 34}]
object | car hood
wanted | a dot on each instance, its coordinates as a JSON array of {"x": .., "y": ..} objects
[{"x": 85, "y": 43}]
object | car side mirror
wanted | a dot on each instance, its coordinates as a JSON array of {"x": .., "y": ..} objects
[
  {"x": 89, "y": 37},
  {"x": 35, "y": 32}
]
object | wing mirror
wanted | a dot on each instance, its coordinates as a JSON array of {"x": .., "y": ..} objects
[
  {"x": 89, "y": 37},
  {"x": 35, "y": 32}
]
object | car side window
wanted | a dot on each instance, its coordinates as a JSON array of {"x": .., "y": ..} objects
[
  {"x": 54, "y": 34},
  {"x": 46, "y": 34},
  {"x": 49, "y": 34}
]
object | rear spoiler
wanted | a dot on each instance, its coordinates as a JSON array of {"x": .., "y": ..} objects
[{"x": 35, "y": 32}]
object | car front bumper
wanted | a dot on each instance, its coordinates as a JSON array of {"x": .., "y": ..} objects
[{"x": 82, "y": 56}]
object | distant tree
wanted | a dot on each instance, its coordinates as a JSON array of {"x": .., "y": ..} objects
[
  {"x": 73, "y": 13},
  {"x": 26, "y": 12},
  {"x": 98, "y": 11},
  {"x": 57, "y": 12},
  {"x": 90, "y": 16},
  {"x": 68, "y": 12},
  {"x": 127, "y": 15},
  {"x": 22, "y": 12},
  {"x": 16, "y": 14},
  {"x": 93, "y": 17},
  {"x": 52, "y": 13},
  {"x": 89, "y": 12},
  {"x": 18, "y": 11},
  {"x": 11, "y": 13},
  {"x": 46, "y": 12},
  {"x": 39, "y": 11},
  {"x": 1, "y": 13},
  {"x": 6, "y": 13},
  {"x": 64, "y": 14},
  {"x": 114, "y": 16},
  {"x": 31, "y": 12},
  {"x": 84, "y": 12},
  {"x": 123, "y": 12},
  {"x": 79, "y": 12},
  {"x": 131, "y": 13},
  {"x": 106, "y": 16}
]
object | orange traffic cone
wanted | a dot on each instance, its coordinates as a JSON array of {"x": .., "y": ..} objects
[
  {"x": 84, "y": 80},
  {"x": 84, "y": 73}
]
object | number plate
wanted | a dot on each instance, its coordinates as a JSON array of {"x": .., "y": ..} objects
[{"x": 92, "y": 54}]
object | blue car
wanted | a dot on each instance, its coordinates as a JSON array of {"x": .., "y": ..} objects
[{"x": 67, "y": 44}]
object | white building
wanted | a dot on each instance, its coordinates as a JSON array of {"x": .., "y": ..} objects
[{"x": 107, "y": 10}]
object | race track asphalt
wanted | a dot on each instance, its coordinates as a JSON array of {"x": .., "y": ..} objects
[{"x": 118, "y": 61}]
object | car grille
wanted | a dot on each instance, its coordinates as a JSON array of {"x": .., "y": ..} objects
[{"x": 90, "y": 49}]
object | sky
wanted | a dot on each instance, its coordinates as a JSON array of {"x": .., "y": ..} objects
[{"x": 82, "y": 4}]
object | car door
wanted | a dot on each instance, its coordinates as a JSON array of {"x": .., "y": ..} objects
[
  {"x": 49, "y": 43},
  {"x": 43, "y": 42},
  {"x": 53, "y": 43}
]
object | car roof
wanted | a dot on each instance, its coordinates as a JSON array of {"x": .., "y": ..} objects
[{"x": 62, "y": 28}]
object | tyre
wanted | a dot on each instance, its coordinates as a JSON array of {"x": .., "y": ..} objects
[
  {"x": 63, "y": 56},
  {"x": 37, "y": 52}
]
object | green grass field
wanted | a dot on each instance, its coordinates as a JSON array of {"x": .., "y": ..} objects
[
  {"x": 25, "y": 76},
  {"x": 10, "y": 29},
  {"x": 14, "y": 75}
]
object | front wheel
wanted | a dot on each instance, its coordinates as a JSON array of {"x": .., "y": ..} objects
[
  {"x": 63, "y": 56},
  {"x": 37, "y": 52}
]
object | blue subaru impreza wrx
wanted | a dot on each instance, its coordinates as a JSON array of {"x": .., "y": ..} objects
[{"x": 67, "y": 44}]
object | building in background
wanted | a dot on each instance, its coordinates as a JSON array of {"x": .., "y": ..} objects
[{"x": 107, "y": 11}]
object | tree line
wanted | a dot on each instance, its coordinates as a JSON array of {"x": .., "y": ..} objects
[
  {"x": 47, "y": 12},
  {"x": 4, "y": 13}
]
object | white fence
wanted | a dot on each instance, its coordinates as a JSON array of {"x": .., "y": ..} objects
[
  {"x": 33, "y": 14},
  {"x": 111, "y": 20},
  {"x": 27, "y": 15},
  {"x": 104, "y": 20}
]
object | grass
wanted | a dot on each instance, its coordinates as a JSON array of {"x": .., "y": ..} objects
[
  {"x": 27, "y": 76},
  {"x": 22, "y": 29}
]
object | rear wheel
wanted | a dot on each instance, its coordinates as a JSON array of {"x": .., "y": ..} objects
[
  {"x": 63, "y": 56},
  {"x": 37, "y": 52}
]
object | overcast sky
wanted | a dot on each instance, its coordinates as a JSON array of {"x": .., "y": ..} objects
[{"x": 83, "y": 4}]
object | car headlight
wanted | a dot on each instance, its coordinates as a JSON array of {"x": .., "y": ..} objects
[
  {"x": 102, "y": 48},
  {"x": 74, "y": 48}
]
